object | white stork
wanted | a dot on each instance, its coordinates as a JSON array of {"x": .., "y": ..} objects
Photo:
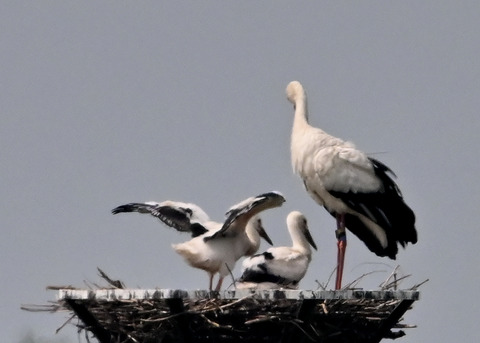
[
  {"x": 354, "y": 188},
  {"x": 214, "y": 247},
  {"x": 281, "y": 267}
]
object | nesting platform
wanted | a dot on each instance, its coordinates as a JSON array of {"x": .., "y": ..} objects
[{"x": 165, "y": 315}]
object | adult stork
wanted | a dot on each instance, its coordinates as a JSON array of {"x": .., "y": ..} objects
[
  {"x": 281, "y": 267},
  {"x": 354, "y": 188},
  {"x": 214, "y": 247}
]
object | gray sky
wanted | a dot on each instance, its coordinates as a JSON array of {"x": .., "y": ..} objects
[{"x": 110, "y": 102}]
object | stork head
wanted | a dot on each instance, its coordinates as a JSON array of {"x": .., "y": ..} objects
[
  {"x": 298, "y": 227},
  {"x": 295, "y": 92},
  {"x": 257, "y": 223}
]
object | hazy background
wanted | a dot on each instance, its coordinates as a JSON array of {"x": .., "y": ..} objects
[{"x": 109, "y": 102}]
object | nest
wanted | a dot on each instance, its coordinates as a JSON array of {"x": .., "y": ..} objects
[{"x": 158, "y": 315}]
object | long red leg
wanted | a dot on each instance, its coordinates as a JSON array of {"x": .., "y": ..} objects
[
  {"x": 211, "y": 282},
  {"x": 219, "y": 284},
  {"x": 342, "y": 247}
]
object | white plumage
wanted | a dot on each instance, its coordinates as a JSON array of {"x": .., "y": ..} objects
[
  {"x": 281, "y": 267},
  {"x": 353, "y": 187},
  {"x": 214, "y": 247}
]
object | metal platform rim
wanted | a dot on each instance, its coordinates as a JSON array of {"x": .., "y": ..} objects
[{"x": 271, "y": 294}]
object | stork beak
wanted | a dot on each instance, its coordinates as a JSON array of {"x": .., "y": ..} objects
[
  {"x": 309, "y": 238},
  {"x": 261, "y": 231}
]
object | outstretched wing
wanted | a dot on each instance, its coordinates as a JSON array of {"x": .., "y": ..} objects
[
  {"x": 247, "y": 209},
  {"x": 180, "y": 216}
]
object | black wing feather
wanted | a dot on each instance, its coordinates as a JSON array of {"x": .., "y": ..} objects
[
  {"x": 234, "y": 213},
  {"x": 258, "y": 277},
  {"x": 197, "y": 229},
  {"x": 175, "y": 217},
  {"x": 386, "y": 208}
]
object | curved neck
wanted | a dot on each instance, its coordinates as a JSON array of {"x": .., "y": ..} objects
[
  {"x": 253, "y": 237},
  {"x": 300, "y": 242},
  {"x": 301, "y": 113}
]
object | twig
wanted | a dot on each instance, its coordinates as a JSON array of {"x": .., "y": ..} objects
[
  {"x": 330, "y": 277},
  {"x": 395, "y": 282},
  {"x": 215, "y": 324},
  {"x": 64, "y": 324},
  {"x": 415, "y": 287},
  {"x": 322, "y": 286},
  {"x": 201, "y": 312},
  {"x": 260, "y": 320},
  {"x": 394, "y": 271},
  {"x": 349, "y": 285},
  {"x": 86, "y": 336},
  {"x": 226, "y": 305},
  {"x": 324, "y": 307},
  {"x": 231, "y": 275},
  {"x": 162, "y": 319},
  {"x": 133, "y": 339},
  {"x": 56, "y": 288},
  {"x": 114, "y": 283},
  {"x": 405, "y": 326},
  {"x": 91, "y": 285}
]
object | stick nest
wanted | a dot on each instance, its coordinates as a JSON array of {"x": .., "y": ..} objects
[{"x": 248, "y": 319}]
